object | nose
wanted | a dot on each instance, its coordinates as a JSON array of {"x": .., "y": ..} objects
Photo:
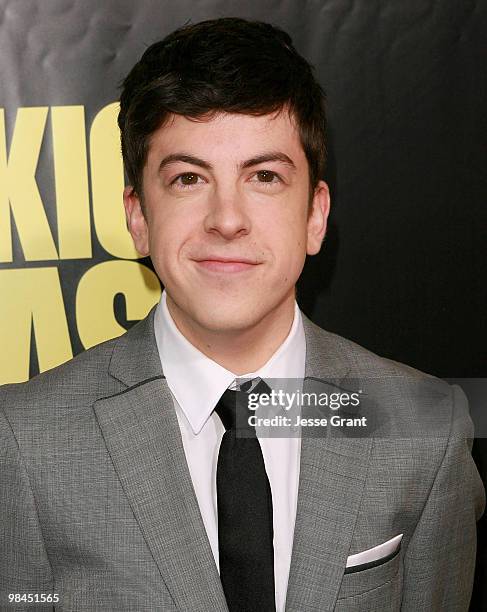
[{"x": 226, "y": 214}]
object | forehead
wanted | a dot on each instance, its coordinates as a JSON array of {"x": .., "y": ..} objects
[{"x": 228, "y": 136}]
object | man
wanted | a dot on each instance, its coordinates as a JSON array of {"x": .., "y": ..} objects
[{"x": 125, "y": 482}]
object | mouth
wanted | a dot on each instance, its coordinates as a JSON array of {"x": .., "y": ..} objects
[{"x": 226, "y": 265}]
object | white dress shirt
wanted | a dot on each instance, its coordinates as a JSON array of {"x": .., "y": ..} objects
[{"x": 197, "y": 383}]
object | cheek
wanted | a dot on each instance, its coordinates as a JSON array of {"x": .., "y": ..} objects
[
  {"x": 163, "y": 240},
  {"x": 291, "y": 231},
  {"x": 289, "y": 247},
  {"x": 168, "y": 237}
]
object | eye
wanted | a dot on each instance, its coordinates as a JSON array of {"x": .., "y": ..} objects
[
  {"x": 187, "y": 180},
  {"x": 267, "y": 176}
]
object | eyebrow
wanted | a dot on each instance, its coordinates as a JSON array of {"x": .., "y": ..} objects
[
  {"x": 184, "y": 157},
  {"x": 268, "y": 157},
  {"x": 249, "y": 163}
]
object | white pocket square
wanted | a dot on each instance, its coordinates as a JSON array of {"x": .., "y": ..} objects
[{"x": 376, "y": 553}]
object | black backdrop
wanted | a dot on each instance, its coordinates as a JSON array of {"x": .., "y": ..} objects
[{"x": 403, "y": 268}]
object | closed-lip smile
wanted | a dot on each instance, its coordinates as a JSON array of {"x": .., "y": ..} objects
[{"x": 220, "y": 263}]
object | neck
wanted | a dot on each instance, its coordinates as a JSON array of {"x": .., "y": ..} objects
[{"x": 239, "y": 351}]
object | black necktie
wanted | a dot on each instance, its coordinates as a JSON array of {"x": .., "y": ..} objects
[{"x": 245, "y": 531}]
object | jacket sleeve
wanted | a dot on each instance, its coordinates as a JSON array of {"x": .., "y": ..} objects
[
  {"x": 24, "y": 565},
  {"x": 440, "y": 558}
]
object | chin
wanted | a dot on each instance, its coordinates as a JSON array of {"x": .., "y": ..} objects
[{"x": 226, "y": 320}]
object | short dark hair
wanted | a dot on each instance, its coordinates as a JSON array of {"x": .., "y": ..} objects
[{"x": 221, "y": 65}]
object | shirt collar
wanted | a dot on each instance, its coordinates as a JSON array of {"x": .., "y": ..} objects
[{"x": 197, "y": 382}]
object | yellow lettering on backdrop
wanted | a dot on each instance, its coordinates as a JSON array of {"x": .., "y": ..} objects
[
  {"x": 97, "y": 289},
  {"x": 107, "y": 181},
  {"x": 32, "y": 294},
  {"x": 71, "y": 181},
  {"x": 18, "y": 185}
]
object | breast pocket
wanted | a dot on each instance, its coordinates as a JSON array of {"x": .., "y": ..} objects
[{"x": 372, "y": 589}]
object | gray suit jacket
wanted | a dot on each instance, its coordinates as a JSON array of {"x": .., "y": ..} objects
[{"x": 97, "y": 504}]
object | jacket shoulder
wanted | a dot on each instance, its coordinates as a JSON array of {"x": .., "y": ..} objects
[
  {"x": 76, "y": 382},
  {"x": 360, "y": 360},
  {"x": 399, "y": 398}
]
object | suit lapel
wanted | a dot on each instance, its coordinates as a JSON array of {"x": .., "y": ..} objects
[
  {"x": 331, "y": 482},
  {"x": 143, "y": 439}
]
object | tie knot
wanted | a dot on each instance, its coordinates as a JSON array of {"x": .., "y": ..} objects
[{"x": 233, "y": 408}]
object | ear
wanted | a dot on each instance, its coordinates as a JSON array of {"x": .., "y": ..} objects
[
  {"x": 136, "y": 222},
  {"x": 317, "y": 218}
]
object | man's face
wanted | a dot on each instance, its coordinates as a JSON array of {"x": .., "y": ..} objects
[{"x": 226, "y": 217}]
